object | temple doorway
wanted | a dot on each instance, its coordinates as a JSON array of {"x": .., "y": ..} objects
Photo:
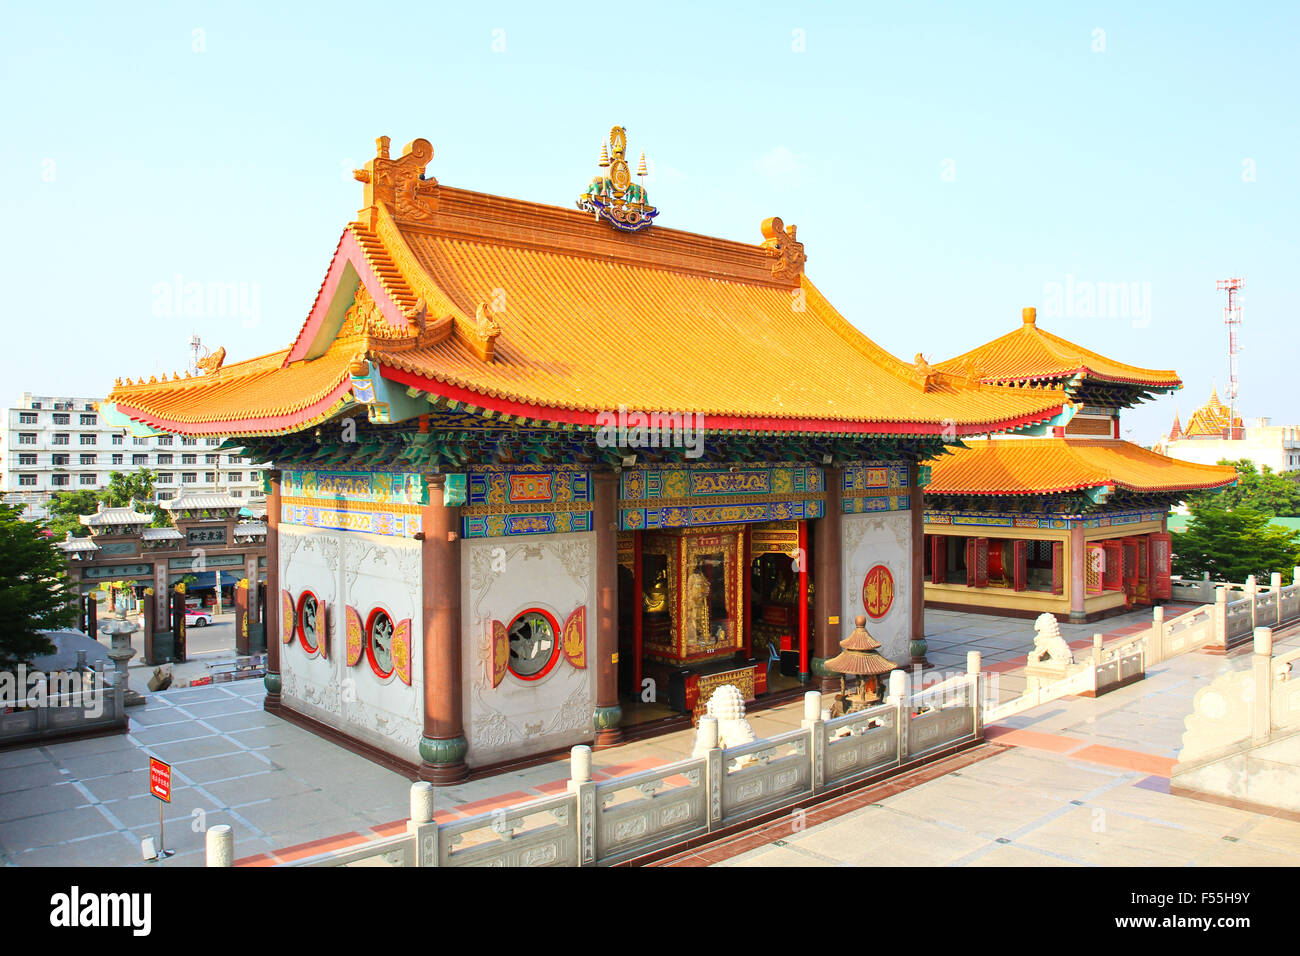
[{"x": 702, "y": 607}]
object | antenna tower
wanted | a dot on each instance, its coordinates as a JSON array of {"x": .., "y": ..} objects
[{"x": 1232, "y": 319}]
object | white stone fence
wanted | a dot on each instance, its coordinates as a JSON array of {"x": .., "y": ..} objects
[
  {"x": 94, "y": 706},
  {"x": 1220, "y": 625},
  {"x": 597, "y": 823},
  {"x": 1238, "y": 713}
]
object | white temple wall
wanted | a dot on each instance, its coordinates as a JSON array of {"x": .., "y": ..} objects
[
  {"x": 500, "y": 578},
  {"x": 365, "y": 571},
  {"x": 883, "y": 538}
]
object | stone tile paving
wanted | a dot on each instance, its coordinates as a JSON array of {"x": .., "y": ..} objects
[
  {"x": 1085, "y": 782},
  {"x": 288, "y": 793}
]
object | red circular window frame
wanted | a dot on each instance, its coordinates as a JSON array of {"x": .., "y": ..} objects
[
  {"x": 302, "y": 631},
  {"x": 370, "y": 645},
  {"x": 555, "y": 648}
]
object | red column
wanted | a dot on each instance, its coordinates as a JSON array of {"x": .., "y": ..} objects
[
  {"x": 1078, "y": 567},
  {"x": 272, "y": 679},
  {"x": 917, "y": 502},
  {"x": 828, "y": 603},
  {"x": 608, "y": 715},
  {"x": 747, "y": 585},
  {"x": 637, "y": 638},
  {"x": 443, "y": 745}
]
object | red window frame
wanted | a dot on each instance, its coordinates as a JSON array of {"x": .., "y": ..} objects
[
  {"x": 370, "y": 645},
  {"x": 555, "y": 647},
  {"x": 298, "y": 623}
]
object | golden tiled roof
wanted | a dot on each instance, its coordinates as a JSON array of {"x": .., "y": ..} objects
[
  {"x": 542, "y": 309},
  {"x": 237, "y": 398},
  {"x": 1024, "y": 466},
  {"x": 1032, "y": 354}
]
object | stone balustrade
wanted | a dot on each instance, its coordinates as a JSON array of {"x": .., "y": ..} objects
[{"x": 611, "y": 821}]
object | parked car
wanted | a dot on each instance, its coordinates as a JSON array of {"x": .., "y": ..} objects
[{"x": 196, "y": 618}]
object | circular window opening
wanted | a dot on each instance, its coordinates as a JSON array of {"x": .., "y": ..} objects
[
  {"x": 379, "y": 642},
  {"x": 308, "y": 615},
  {"x": 533, "y": 647}
]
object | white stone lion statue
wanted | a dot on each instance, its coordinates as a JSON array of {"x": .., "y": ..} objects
[
  {"x": 727, "y": 706},
  {"x": 1049, "y": 645}
]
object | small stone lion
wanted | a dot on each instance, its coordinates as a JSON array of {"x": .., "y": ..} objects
[
  {"x": 727, "y": 706},
  {"x": 1049, "y": 645}
]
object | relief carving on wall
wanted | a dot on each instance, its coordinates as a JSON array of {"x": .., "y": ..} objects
[
  {"x": 575, "y": 713},
  {"x": 403, "y": 730},
  {"x": 491, "y": 728}
]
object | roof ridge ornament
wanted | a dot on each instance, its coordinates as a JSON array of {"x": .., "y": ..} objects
[
  {"x": 784, "y": 248},
  {"x": 400, "y": 184},
  {"x": 923, "y": 373},
  {"x": 623, "y": 203},
  {"x": 211, "y": 364}
]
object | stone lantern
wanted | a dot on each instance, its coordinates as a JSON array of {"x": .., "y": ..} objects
[{"x": 119, "y": 631}]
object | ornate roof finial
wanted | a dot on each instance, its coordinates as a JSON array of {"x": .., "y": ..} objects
[
  {"x": 212, "y": 364},
  {"x": 615, "y": 197},
  {"x": 640, "y": 166},
  {"x": 604, "y": 155},
  {"x": 781, "y": 244},
  {"x": 1029, "y": 315},
  {"x": 400, "y": 183}
]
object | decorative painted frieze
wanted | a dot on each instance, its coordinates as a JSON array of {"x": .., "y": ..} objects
[{"x": 1045, "y": 522}]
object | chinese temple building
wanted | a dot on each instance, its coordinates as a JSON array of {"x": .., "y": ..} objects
[
  {"x": 540, "y": 473},
  {"x": 1073, "y": 522}
]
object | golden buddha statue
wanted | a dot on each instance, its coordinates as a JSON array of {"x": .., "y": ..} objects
[
  {"x": 697, "y": 607},
  {"x": 655, "y": 600}
]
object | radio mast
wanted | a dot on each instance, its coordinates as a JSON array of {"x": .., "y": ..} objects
[{"x": 1232, "y": 319}]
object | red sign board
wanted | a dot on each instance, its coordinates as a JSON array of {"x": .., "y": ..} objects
[{"x": 160, "y": 779}]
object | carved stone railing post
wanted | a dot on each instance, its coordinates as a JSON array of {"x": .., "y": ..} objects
[
  {"x": 1261, "y": 715},
  {"x": 583, "y": 789},
  {"x": 1221, "y": 617},
  {"x": 714, "y": 770},
  {"x": 1155, "y": 651},
  {"x": 421, "y": 826},
  {"x": 1252, "y": 593},
  {"x": 974, "y": 670},
  {"x": 1275, "y": 585},
  {"x": 900, "y": 696},
  {"x": 812, "y": 722},
  {"x": 219, "y": 845}
]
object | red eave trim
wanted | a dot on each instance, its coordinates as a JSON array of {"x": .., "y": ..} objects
[
  {"x": 712, "y": 422},
  {"x": 349, "y": 251},
  {"x": 277, "y": 423}
]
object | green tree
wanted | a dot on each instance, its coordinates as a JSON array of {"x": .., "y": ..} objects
[
  {"x": 1232, "y": 544},
  {"x": 1264, "y": 490},
  {"x": 65, "y": 509},
  {"x": 34, "y": 594}
]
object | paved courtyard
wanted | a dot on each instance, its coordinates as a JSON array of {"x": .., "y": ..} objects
[{"x": 1079, "y": 782}]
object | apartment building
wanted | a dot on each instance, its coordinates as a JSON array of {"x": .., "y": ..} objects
[{"x": 56, "y": 443}]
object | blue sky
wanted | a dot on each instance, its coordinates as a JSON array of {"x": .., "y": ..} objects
[{"x": 945, "y": 165}]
